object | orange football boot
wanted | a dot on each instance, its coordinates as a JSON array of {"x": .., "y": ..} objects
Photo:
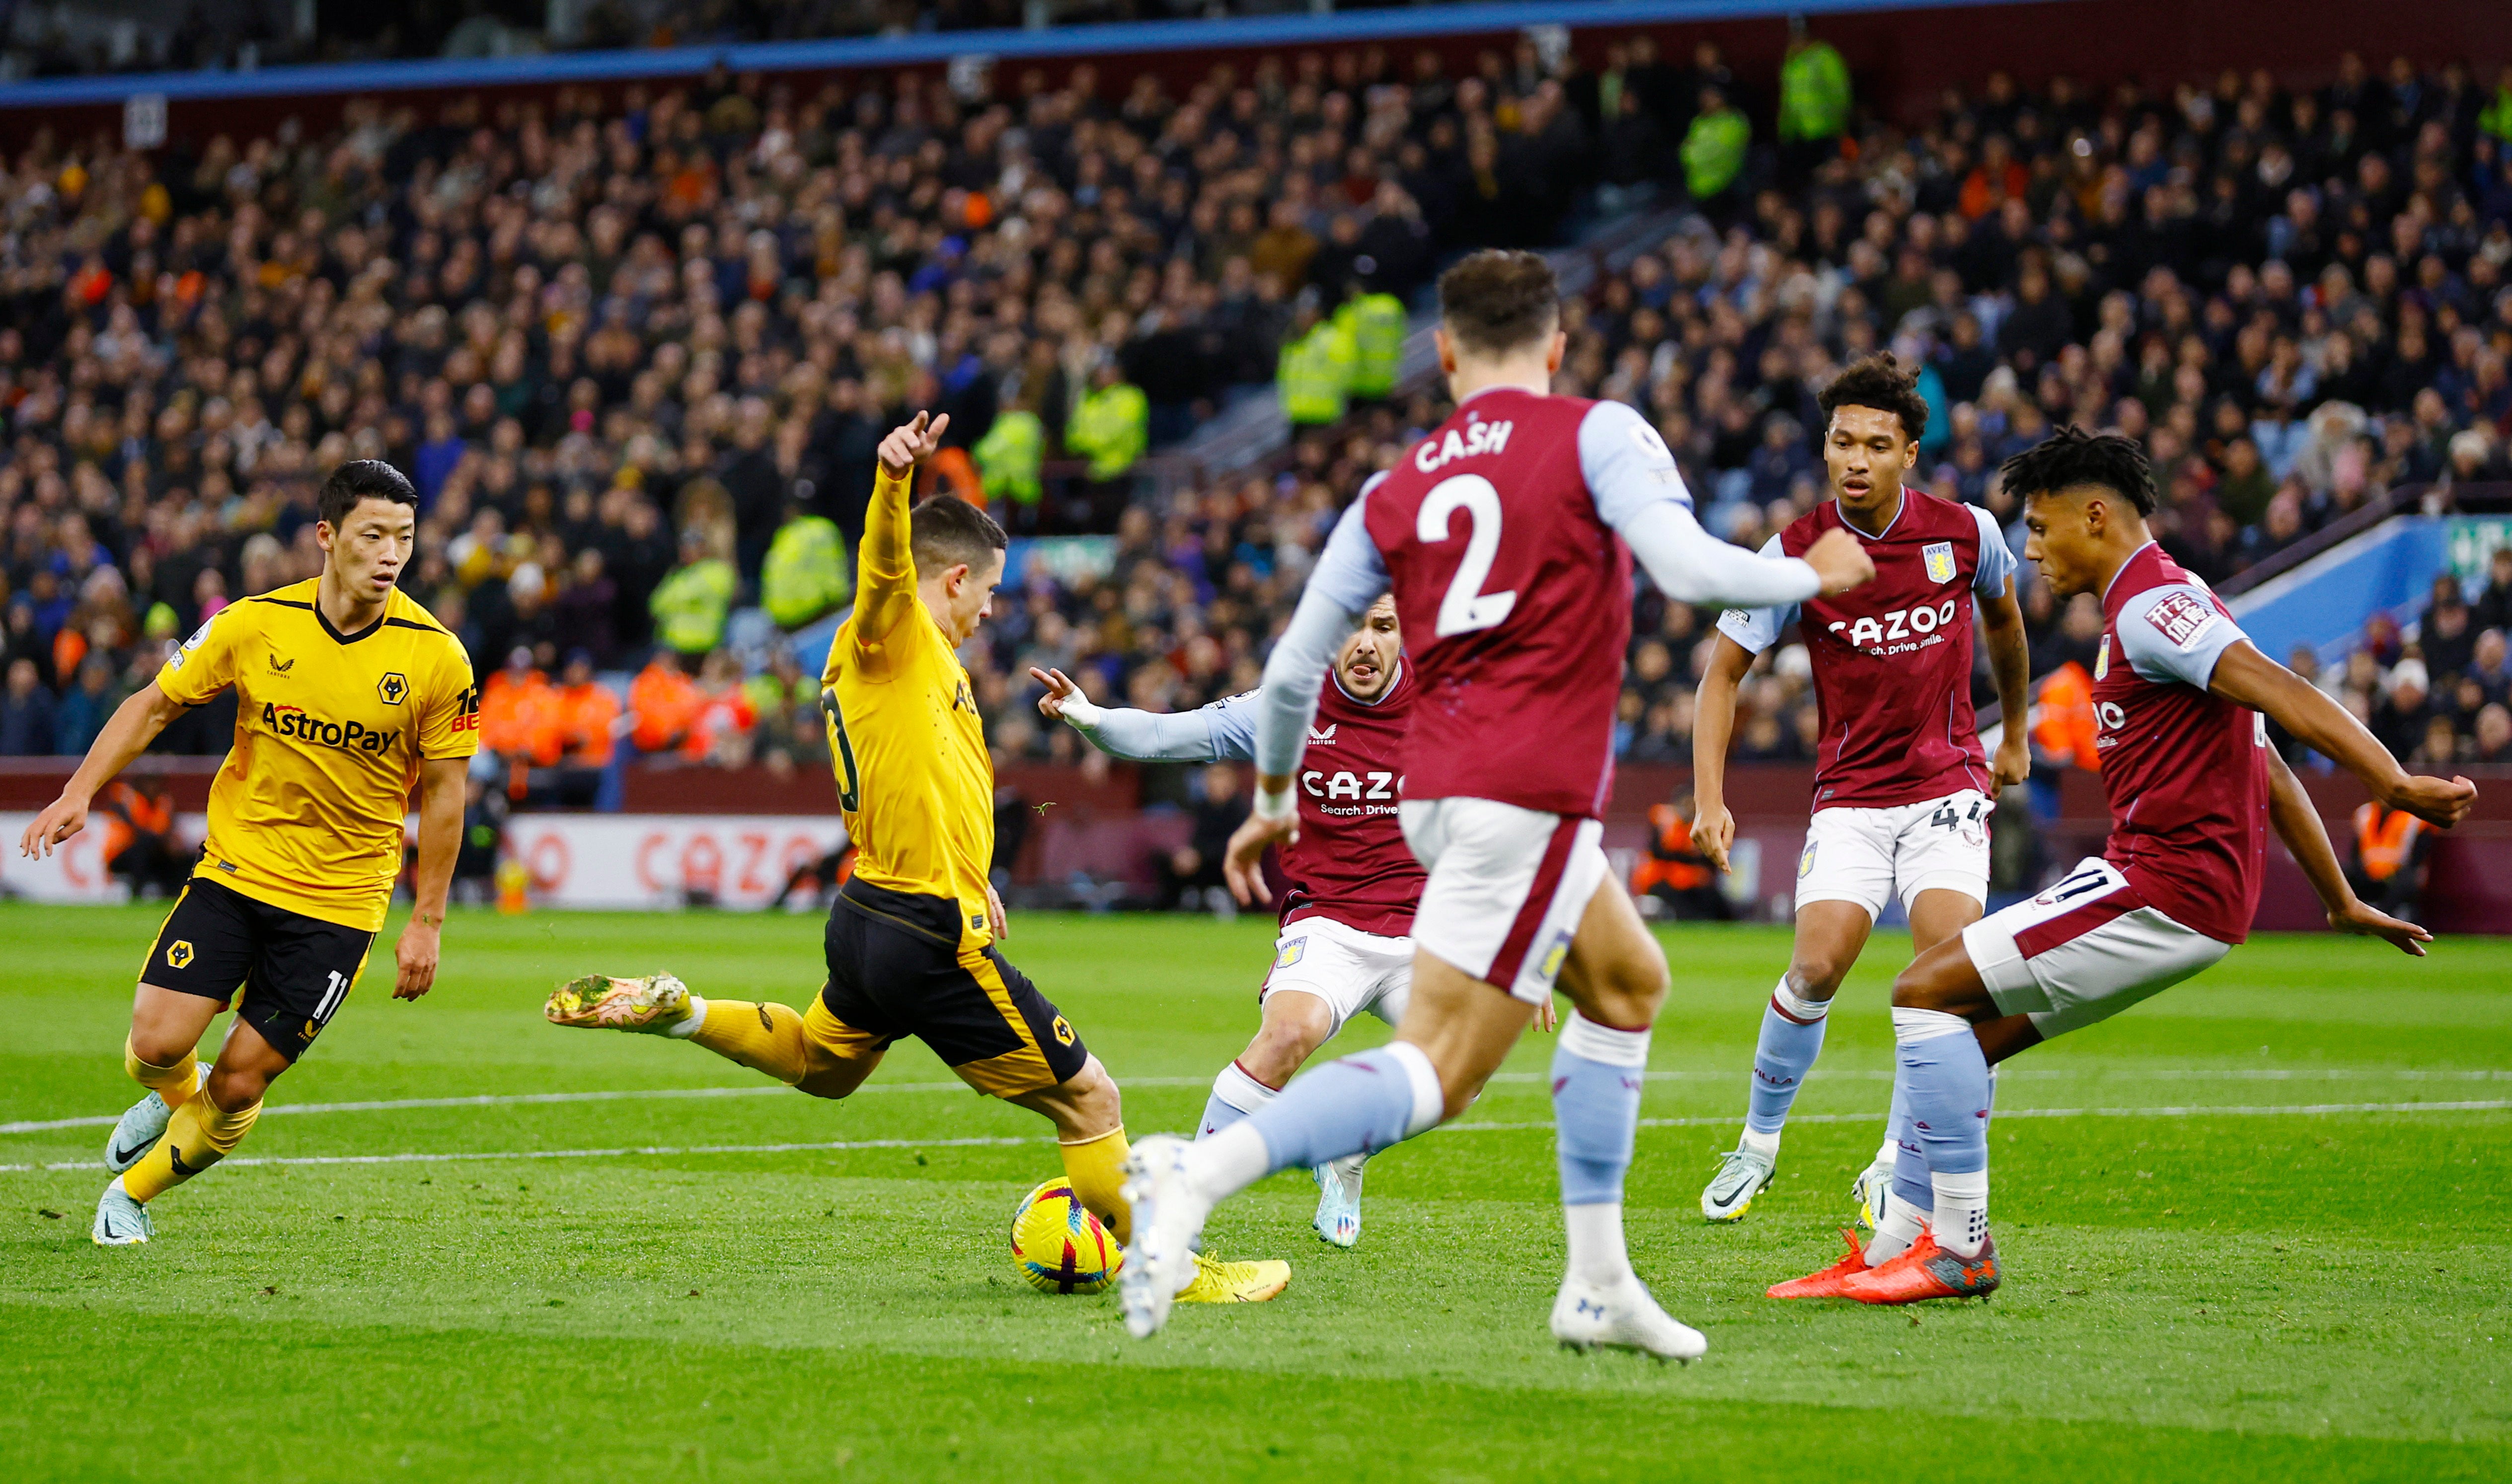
[
  {"x": 1826, "y": 1284},
  {"x": 1925, "y": 1272}
]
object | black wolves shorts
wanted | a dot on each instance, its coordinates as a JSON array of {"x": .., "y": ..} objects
[
  {"x": 902, "y": 963},
  {"x": 294, "y": 970}
]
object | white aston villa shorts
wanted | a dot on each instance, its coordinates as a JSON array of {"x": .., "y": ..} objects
[
  {"x": 2083, "y": 950},
  {"x": 1351, "y": 970},
  {"x": 1862, "y": 855},
  {"x": 1508, "y": 886}
]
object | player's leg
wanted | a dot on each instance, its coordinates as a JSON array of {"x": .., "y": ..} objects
[
  {"x": 1383, "y": 970},
  {"x": 301, "y": 972},
  {"x": 1830, "y": 933},
  {"x": 1616, "y": 977},
  {"x": 1295, "y": 1024},
  {"x": 197, "y": 960},
  {"x": 1938, "y": 913}
]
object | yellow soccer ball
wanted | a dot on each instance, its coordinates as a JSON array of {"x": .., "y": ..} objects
[{"x": 1059, "y": 1246}]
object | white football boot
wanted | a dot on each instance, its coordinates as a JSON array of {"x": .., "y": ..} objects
[
  {"x": 140, "y": 1126},
  {"x": 1624, "y": 1317},
  {"x": 1743, "y": 1174},
  {"x": 120, "y": 1220},
  {"x": 1872, "y": 1192},
  {"x": 1168, "y": 1219},
  {"x": 1338, "y": 1218}
]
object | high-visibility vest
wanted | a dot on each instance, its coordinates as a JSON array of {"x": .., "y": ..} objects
[
  {"x": 691, "y": 604},
  {"x": 1010, "y": 454},
  {"x": 1814, "y": 93},
  {"x": 2496, "y": 120},
  {"x": 2063, "y": 716},
  {"x": 1314, "y": 375},
  {"x": 1111, "y": 426},
  {"x": 806, "y": 573},
  {"x": 1714, "y": 152},
  {"x": 1375, "y": 322},
  {"x": 2384, "y": 840}
]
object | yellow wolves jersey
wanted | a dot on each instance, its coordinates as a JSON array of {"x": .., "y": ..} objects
[
  {"x": 329, "y": 729},
  {"x": 904, "y": 736}
]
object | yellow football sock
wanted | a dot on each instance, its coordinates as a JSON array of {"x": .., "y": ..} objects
[
  {"x": 1097, "y": 1169},
  {"x": 764, "y": 1036},
  {"x": 175, "y": 1082},
  {"x": 199, "y": 1135}
]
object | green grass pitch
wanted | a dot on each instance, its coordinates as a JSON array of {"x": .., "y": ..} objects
[{"x": 2256, "y": 1229}]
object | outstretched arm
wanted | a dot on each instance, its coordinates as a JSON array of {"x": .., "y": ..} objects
[
  {"x": 885, "y": 563},
  {"x": 2243, "y": 674},
  {"x": 2297, "y": 824},
  {"x": 1224, "y": 730},
  {"x": 135, "y": 723}
]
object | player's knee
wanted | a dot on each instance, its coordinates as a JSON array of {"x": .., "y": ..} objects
[
  {"x": 1920, "y": 988},
  {"x": 233, "y": 1090},
  {"x": 1295, "y": 1027},
  {"x": 156, "y": 1046},
  {"x": 1096, "y": 1102},
  {"x": 1817, "y": 976}
]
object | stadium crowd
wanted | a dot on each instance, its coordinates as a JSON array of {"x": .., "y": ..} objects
[{"x": 637, "y": 359}]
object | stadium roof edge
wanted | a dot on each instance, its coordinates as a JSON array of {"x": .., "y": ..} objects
[{"x": 1076, "y": 41}]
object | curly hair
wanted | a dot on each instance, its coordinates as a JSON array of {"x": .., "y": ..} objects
[
  {"x": 2073, "y": 456},
  {"x": 1498, "y": 300},
  {"x": 1878, "y": 381}
]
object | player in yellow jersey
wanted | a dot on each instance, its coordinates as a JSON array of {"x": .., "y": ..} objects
[
  {"x": 347, "y": 693},
  {"x": 911, "y": 941}
]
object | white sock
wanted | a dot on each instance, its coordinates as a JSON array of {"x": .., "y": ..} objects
[
  {"x": 1886, "y": 1152},
  {"x": 1961, "y": 1222},
  {"x": 1765, "y": 1145},
  {"x": 1230, "y": 1161},
  {"x": 681, "y": 1030},
  {"x": 1896, "y": 1229},
  {"x": 1241, "y": 1091},
  {"x": 1596, "y": 1252},
  {"x": 1797, "y": 1006}
]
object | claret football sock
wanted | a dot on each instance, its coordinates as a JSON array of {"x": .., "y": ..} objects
[
  {"x": 199, "y": 1135},
  {"x": 762, "y": 1036},
  {"x": 175, "y": 1082},
  {"x": 1235, "y": 1095},
  {"x": 1791, "y": 1040},
  {"x": 1096, "y": 1168},
  {"x": 1597, "y": 1074},
  {"x": 1357, "y": 1105}
]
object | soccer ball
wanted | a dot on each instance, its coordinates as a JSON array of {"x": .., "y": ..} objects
[{"x": 1059, "y": 1246}]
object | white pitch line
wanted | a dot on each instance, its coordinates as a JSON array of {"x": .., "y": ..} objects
[
  {"x": 773, "y": 1089},
  {"x": 842, "y": 1145}
]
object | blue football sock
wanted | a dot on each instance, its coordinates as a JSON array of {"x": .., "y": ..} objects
[
  {"x": 1946, "y": 1081},
  {"x": 1359, "y": 1104},
  {"x": 1910, "y": 1166},
  {"x": 1597, "y": 1074},
  {"x": 1791, "y": 1039}
]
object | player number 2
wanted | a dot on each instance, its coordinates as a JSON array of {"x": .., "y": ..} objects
[
  {"x": 1468, "y": 608},
  {"x": 849, "y": 781}
]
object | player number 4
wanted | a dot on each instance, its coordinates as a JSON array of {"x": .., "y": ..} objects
[{"x": 1468, "y": 608}]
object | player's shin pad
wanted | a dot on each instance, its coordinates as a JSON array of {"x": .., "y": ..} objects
[
  {"x": 199, "y": 1135},
  {"x": 762, "y": 1035},
  {"x": 1096, "y": 1168},
  {"x": 173, "y": 1082}
]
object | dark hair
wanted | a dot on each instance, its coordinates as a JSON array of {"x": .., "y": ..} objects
[
  {"x": 2073, "y": 456},
  {"x": 362, "y": 479},
  {"x": 1498, "y": 300},
  {"x": 947, "y": 530},
  {"x": 1878, "y": 381}
]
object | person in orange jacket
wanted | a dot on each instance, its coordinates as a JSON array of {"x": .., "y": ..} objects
[
  {"x": 2388, "y": 868},
  {"x": 587, "y": 715},
  {"x": 663, "y": 703},
  {"x": 1675, "y": 872}
]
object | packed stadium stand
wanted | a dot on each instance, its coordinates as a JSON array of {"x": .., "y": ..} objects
[{"x": 636, "y": 346}]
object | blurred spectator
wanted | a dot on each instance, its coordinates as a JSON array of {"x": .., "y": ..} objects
[
  {"x": 1190, "y": 875},
  {"x": 693, "y": 600},
  {"x": 807, "y": 573},
  {"x": 1677, "y": 878},
  {"x": 663, "y": 704},
  {"x": 2387, "y": 862},
  {"x": 137, "y": 816},
  {"x": 2493, "y": 607},
  {"x": 1715, "y": 147},
  {"x": 720, "y": 728},
  {"x": 26, "y": 713}
]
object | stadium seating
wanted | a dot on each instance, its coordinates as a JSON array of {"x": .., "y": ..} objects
[{"x": 616, "y": 345}]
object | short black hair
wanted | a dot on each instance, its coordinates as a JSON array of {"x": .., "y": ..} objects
[
  {"x": 1878, "y": 381},
  {"x": 1499, "y": 299},
  {"x": 2073, "y": 456},
  {"x": 362, "y": 479},
  {"x": 947, "y": 530}
]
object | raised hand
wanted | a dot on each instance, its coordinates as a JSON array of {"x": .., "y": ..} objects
[
  {"x": 912, "y": 443},
  {"x": 1059, "y": 690}
]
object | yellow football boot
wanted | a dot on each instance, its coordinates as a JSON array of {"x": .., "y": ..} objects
[
  {"x": 1218, "y": 1282},
  {"x": 652, "y": 1004}
]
